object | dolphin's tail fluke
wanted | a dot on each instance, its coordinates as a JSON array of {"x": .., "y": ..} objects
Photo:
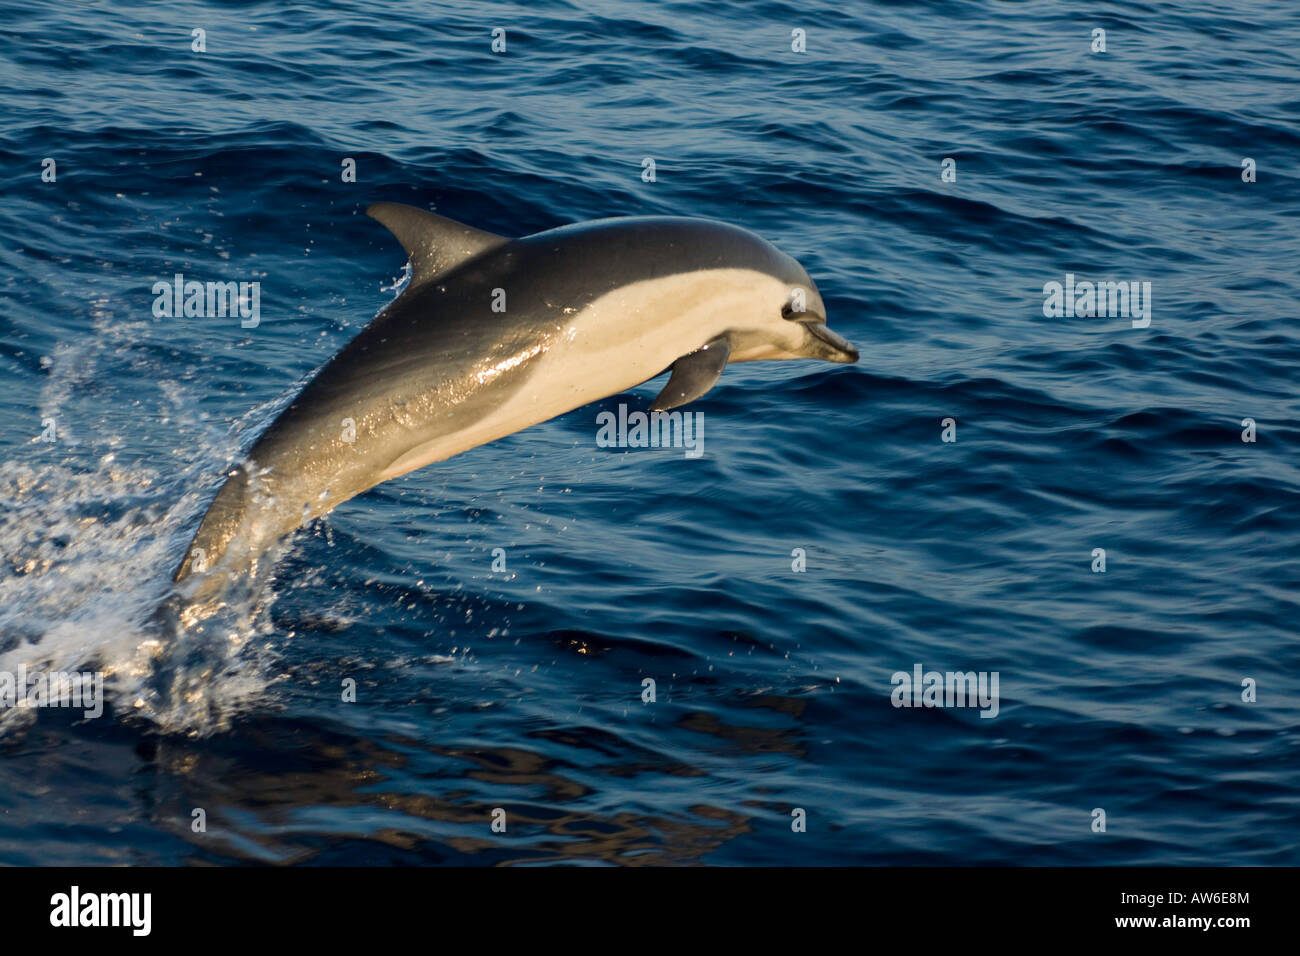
[
  {"x": 219, "y": 525},
  {"x": 216, "y": 557}
]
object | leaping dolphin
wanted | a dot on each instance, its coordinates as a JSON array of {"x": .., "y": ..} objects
[{"x": 492, "y": 335}]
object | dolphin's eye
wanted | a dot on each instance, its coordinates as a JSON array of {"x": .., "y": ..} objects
[{"x": 788, "y": 312}]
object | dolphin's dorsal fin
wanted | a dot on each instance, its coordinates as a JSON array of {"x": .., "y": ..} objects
[
  {"x": 693, "y": 375},
  {"x": 434, "y": 243}
]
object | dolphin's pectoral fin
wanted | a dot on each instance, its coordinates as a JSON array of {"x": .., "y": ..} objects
[
  {"x": 434, "y": 243},
  {"x": 693, "y": 375}
]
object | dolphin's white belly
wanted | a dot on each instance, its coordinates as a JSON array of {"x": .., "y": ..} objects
[{"x": 617, "y": 342}]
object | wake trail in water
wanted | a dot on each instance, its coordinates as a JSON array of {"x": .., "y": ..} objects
[{"x": 88, "y": 551}]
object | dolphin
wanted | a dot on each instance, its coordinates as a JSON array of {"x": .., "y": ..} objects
[{"x": 492, "y": 335}]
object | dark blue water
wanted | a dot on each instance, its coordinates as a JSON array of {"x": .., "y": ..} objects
[{"x": 476, "y": 690}]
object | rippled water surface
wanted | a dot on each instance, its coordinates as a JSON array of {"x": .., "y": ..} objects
[{"x": 521, "y": 690}]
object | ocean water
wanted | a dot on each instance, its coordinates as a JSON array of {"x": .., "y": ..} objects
[{"x": 521, "y": 690}]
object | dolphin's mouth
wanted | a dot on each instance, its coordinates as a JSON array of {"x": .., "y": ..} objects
[{"x": 834, "y": 347}]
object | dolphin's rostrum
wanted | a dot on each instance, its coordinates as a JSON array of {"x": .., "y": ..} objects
[{"x": 492, "y": 335}]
